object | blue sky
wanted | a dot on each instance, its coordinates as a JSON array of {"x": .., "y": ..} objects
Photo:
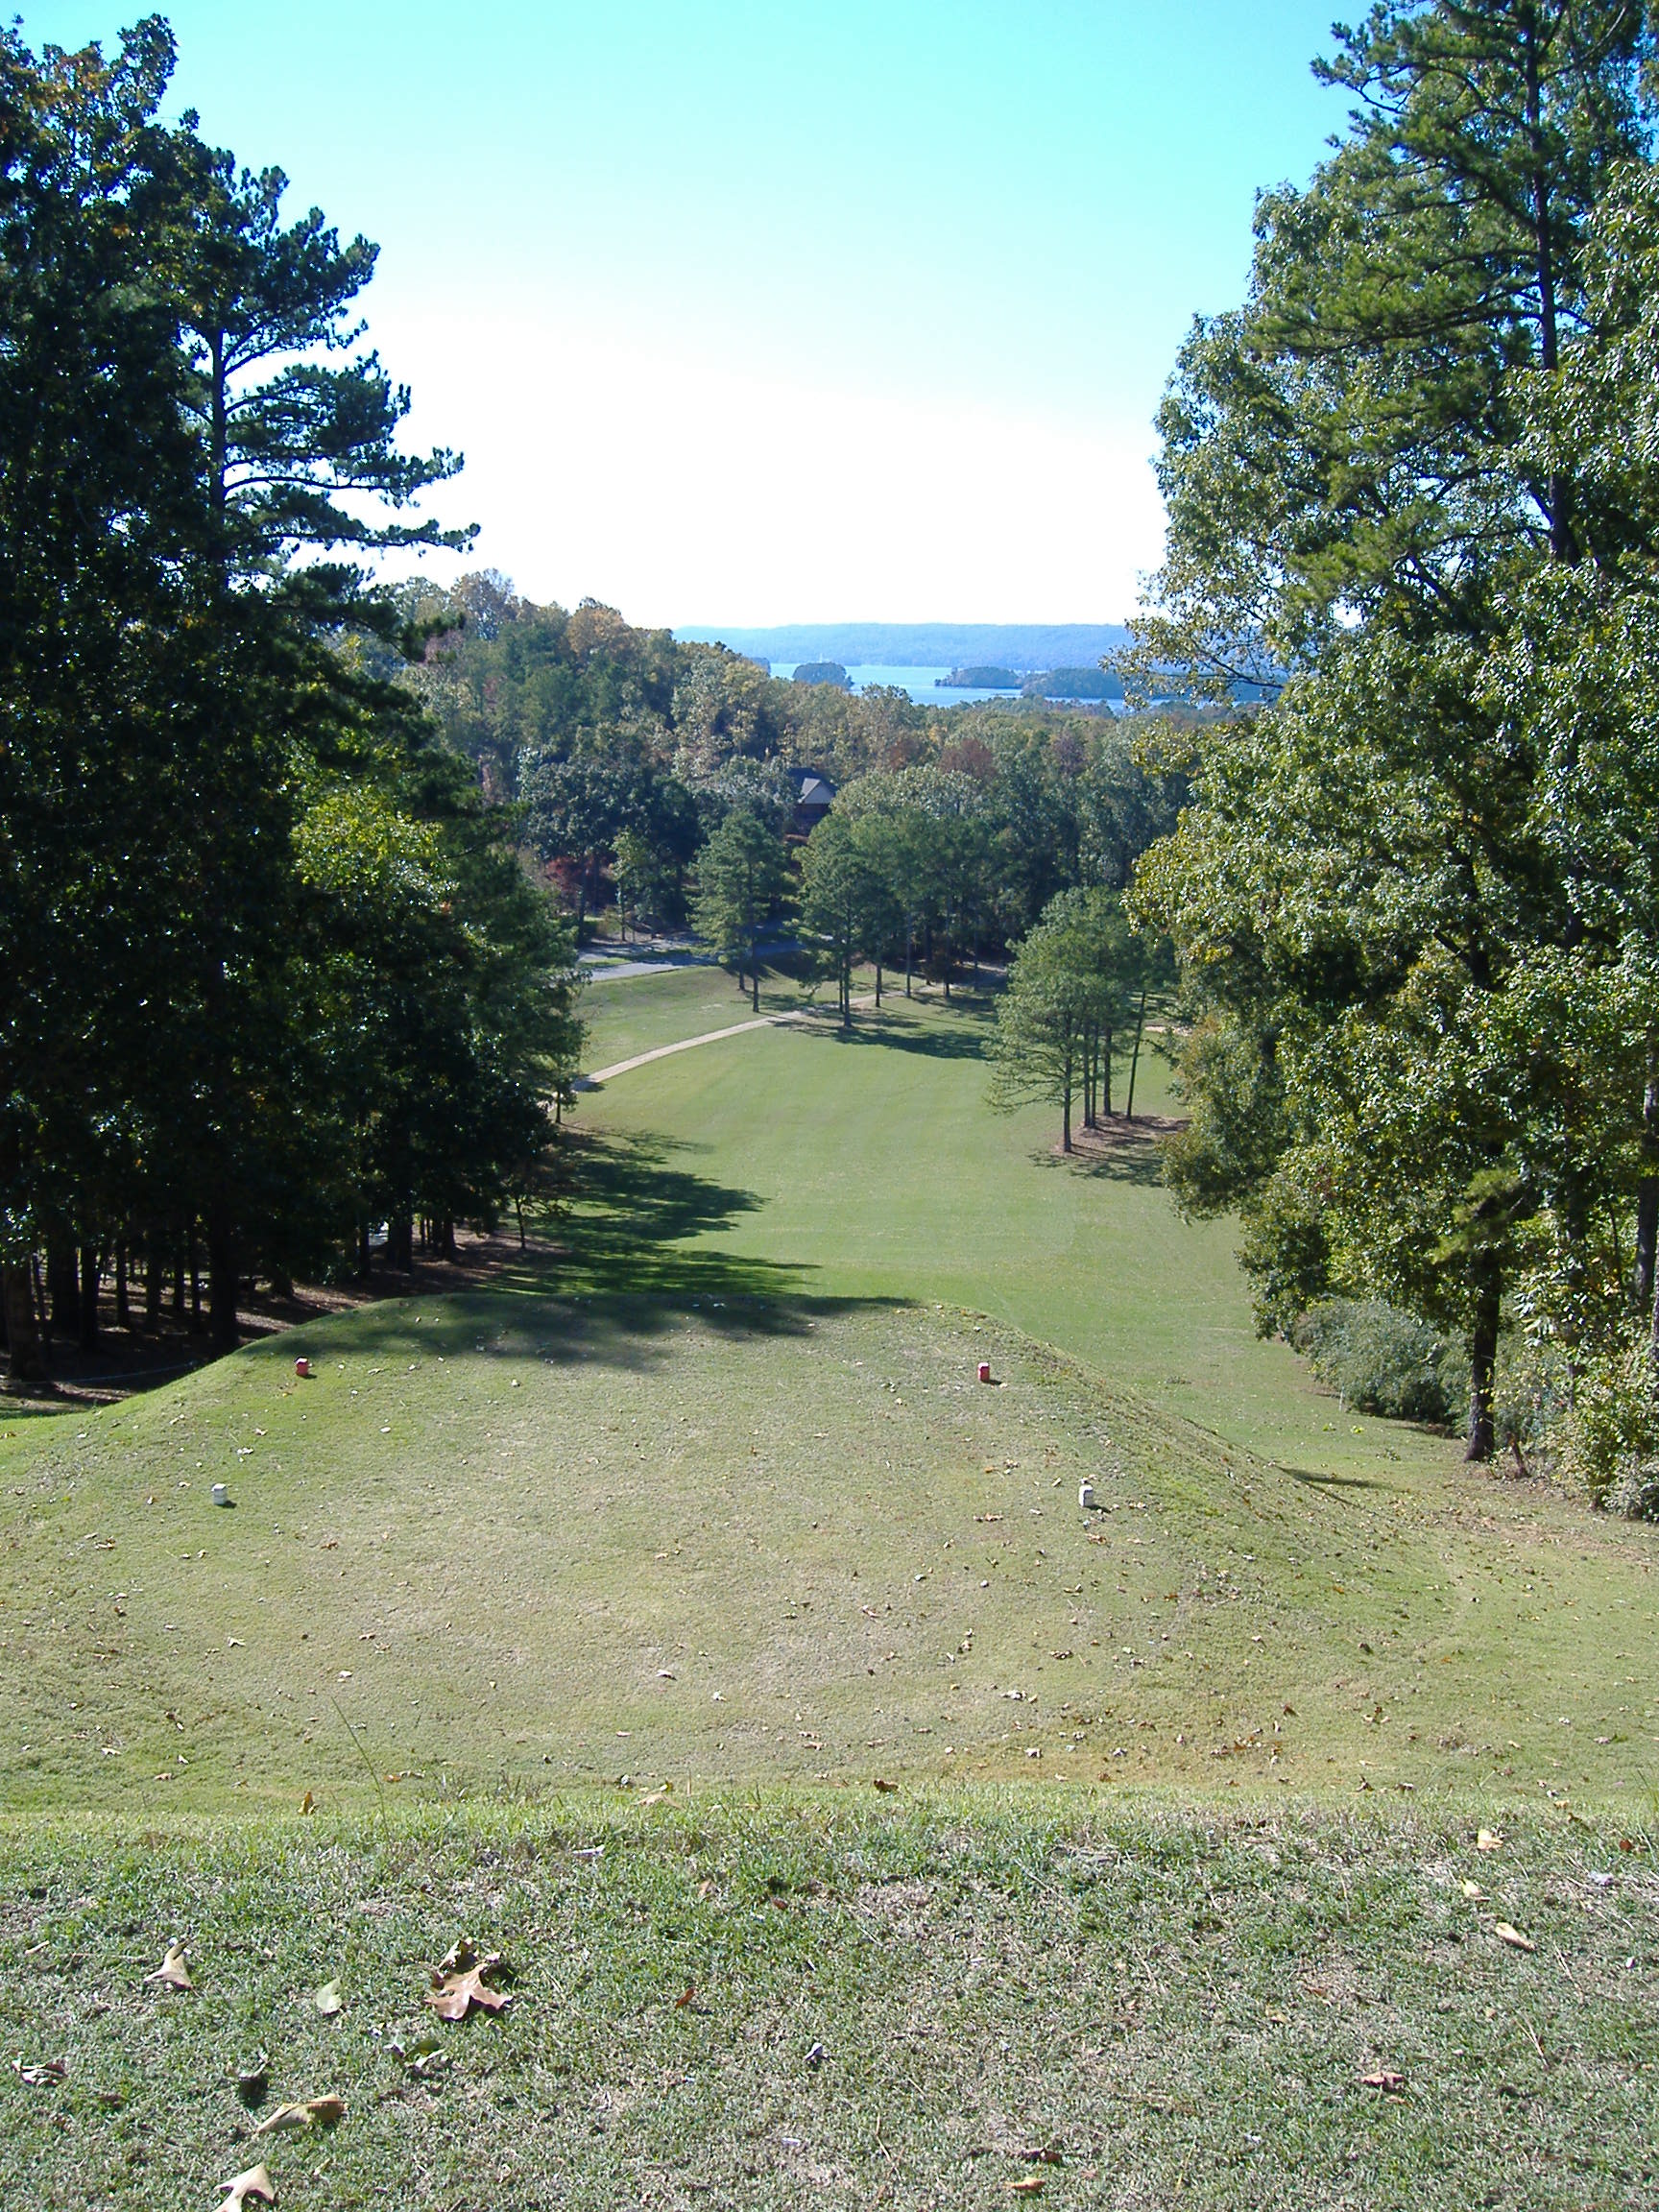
[{"x": 753, "y": 313}]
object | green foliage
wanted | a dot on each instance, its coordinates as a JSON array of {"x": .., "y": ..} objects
[
  {"x": 212, "y": 805},
  {"x": 740, "y": 881},
  {"x": 846, "y": 898},
  {"x": 1402, "y": 897},
  {"x": 1069, "y": 994},
  {"x": 1380, "y": 1361}
]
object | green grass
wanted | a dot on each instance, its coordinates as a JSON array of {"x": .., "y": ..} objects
[
  {"x": 873, "y": 1166},
  {"x": 905, "y": 2002},
  {"x": 588, "y": 1608},
  {"x": 629, "y": 1013},
  {"x": 709, "y": 1498}
]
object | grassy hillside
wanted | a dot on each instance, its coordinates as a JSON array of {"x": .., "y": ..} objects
[
  {"x": 708, "y": 1495},
  {"x": 1123, "y": 1858}
]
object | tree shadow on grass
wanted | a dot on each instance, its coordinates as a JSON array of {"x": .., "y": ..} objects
[
  {"x": 629, "y": 1270},
  {"x": 1329, "y": 1481},
  {"x": 895, "y": 1033}
]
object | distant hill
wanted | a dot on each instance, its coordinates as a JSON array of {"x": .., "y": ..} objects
[{"x": 1028, "y": 648}]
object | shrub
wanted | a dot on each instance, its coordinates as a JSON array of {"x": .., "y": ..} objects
[
  {"x": 1381, "y": 1360},
  {"x": 1611, "y": 1440}
]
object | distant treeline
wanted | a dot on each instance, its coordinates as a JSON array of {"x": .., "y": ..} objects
[{"x": 623, "y": 750}]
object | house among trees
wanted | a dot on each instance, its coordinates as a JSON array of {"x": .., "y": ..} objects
[{"x": 816, "y": 798}]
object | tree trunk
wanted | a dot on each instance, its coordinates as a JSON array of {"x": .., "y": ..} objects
[
  {"x": 28, "y": 1354},
  {"x": 1106, "y": 1073},
  {"x": 62, "y": 1287},
  {"x": 909, "y": 954},
  {"x": 152, "y": 1287},
  {"x": 1648, "y": 1201},
  {"x": 91, "y": 1271},
  {"x": 1483, "y": 1359},
  {"x": 1066, "y": 1110},
  {"x": 400, "y": 1244},
  {"x": 446, "y": 1245},
  {"x": 1135, "y": 1056},
  {"x": 754, "y": 975},
  {"x": 221, "y": 1287},
  {"x": 123, "y": 1312},
  {"x": 194, "y": 1289},
  {"x": 363, "y": 1249},
  {"x": 519, "y": 1215},
  {"x": 877, "y": 986}
]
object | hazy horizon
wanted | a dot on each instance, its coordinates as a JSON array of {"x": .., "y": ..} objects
[{"x": 774, "y": 309}]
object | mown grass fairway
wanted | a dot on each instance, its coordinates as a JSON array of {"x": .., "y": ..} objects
[
  {"x": 678, "y": 1507},
  {"x": 781, "y": 2004},
  {"x": 590, "y": 1609}
]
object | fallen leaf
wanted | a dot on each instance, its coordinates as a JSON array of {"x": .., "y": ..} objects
[
  {"x": 312, "y": 2112},
  {"x": 307, "y": 1803},
  {"x": 655, "y": 1796},
  {"x": 256, "y": 2183},
  {"x": 1513, "y": 1936},
  {"x": 816, "y": 2057},
  {"x": 1029, "y": 2187},
  {"x": 328, "y": 2000},
  {"x": 1385, "y": 2079},
  {"x": 45, "y": 2076},
  {"x": 680, "y": 2003},
  {"x": 1044, "y": 2154},
  {"x": 1488, "y": 1840},
  {"x": 1473, "y": 1891},
  {"x": 172, "y": 1973},
  {"x": 459, "y": 1983},
  {"x": 877, "y": 1783}
]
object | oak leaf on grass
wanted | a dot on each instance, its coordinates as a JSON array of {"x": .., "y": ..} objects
[
  {"x": 172, "y": 1973},
  {"x": 1506, "y": 1934},
  {"x": 460, "y": 1983},
  {"x": 255, "y": 2186},
  {"x": 310, "y": 2113}
]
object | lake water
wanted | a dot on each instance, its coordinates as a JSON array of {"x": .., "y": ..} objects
[{"x": 921, "y": 683}]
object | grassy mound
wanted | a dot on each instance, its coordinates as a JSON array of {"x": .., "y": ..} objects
[
  {"x": 913, "y": 2004},
  {"x": 558, "y": 1533}
]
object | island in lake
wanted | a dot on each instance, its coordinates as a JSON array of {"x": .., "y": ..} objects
[
  {"x": 1074, "y": 684},
  {"x": 978, "y": 680},
  {"x": 823, "y": 672}
]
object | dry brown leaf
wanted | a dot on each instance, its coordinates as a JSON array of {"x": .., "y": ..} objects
[
  {"x": 654, "y": 1796},
  {"x": 1029, "y": 2187},
  {"x": 1385, "y": 2079},
  {"x": 256, "y": 2183},
  {"x": 459, "y": 1982},
  {"x": 1488, "y": 1839},
  {"x": 313, "y": 2112},
  {"x": 680, "y": 2003},
  {"x": 328, "y": 2000},
  {"x": 172, "y": 1973},
  {"x": 1474, "y": 1892},
  {"x": 45, "y": 2076},
  {"x": 880, "y": 1784},
  {"x": 307, "y": 1803},
  {"x": 1505, "y": 1933}
]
